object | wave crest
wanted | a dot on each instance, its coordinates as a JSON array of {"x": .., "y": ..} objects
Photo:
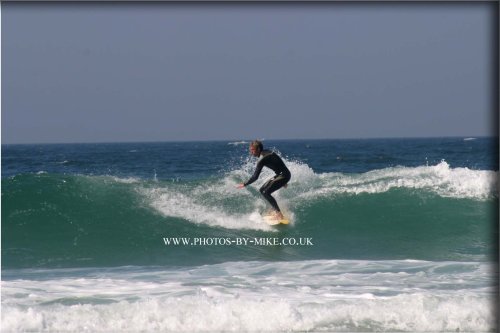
[{"x": 440, "y": 179}]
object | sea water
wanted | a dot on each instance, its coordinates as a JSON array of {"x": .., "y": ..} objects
[{"x": 385, "y": 235}]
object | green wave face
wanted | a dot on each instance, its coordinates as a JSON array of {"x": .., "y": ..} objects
[{"x": 51, "y": 220}]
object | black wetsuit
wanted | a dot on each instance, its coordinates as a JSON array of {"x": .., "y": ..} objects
[{"x": 275, "y": 163}]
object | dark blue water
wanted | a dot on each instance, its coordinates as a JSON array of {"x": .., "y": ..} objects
[{"x": 202, "y": 159}]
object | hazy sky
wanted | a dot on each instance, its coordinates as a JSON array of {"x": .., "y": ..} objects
[{"x": 89, "y": 72}]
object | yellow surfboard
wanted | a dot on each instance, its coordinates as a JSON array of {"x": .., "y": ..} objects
[{"x": 272, "y": 220}]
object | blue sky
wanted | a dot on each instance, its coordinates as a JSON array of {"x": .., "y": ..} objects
[{"x": 89, "y": 72}]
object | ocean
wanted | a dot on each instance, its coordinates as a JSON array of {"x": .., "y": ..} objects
[{"x": 384, "y": 235}]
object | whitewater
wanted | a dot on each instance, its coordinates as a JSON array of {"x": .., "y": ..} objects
[{"x": 243, "y": 296}]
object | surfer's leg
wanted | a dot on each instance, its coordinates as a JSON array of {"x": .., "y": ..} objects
[{"x": 271, "y": 186}]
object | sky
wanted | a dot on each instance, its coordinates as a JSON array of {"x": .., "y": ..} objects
[{"x": 124, "y": 72}]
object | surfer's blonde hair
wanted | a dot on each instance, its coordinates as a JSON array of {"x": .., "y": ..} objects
[{"x": 256, "y": 144}]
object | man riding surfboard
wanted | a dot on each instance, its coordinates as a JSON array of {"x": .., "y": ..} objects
[{"x": 274, "y": 162}]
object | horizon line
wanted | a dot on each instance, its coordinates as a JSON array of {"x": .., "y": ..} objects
[{"x": 249, "y": 140}]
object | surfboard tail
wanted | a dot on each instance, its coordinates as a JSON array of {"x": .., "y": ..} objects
[{"x": 272, "y": 220}]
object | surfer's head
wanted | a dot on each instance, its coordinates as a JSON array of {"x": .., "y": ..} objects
[{"x": 256, "y": 148}]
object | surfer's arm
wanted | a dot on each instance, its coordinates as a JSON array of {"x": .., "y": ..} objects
[{"x": 255, "y": 175}]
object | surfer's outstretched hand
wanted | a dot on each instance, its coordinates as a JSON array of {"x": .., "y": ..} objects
[{"x": 240, "y": 186}]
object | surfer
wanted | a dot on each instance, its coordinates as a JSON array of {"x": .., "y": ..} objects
[{"x": 274, "y": 162}]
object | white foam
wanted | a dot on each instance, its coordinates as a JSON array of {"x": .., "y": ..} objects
[
  {"x": 333, "y": 295},
  {"x": 172, "y": 203},
  {"x": 440, "y": 179},
  {"x": 415, "y": 312},
  {"x": 114, "y": 179},
  {"x": 127, "y": 180},
  {"x": 237, "y": 143}
]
